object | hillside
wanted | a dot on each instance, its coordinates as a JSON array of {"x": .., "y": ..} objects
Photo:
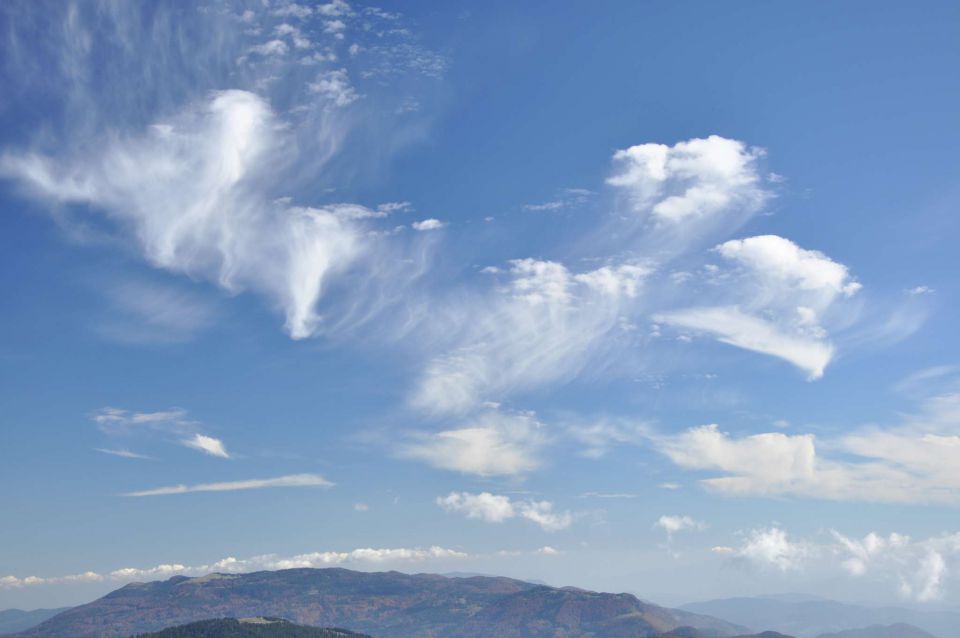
[
  {"x": 13, "y": 620},
  {"x": 813, "y": 618},
  {"x": 249, "y": 628},
  {"x": 384, "y": 605}
]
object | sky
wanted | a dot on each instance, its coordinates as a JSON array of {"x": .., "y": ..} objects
[{"x": 656, "y": 297}]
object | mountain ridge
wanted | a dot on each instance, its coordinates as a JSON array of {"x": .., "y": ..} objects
[{"x": 382, "y": 604}]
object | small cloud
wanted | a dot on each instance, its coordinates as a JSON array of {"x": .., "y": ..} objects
[
  {"x": 496, "y": 508},
  {"x": 675, "y": 524},
  {"x": 126, "y": 454},
  {"x": 428, "y": 224},
  {"x": 920, "y": 290},
  {"x": 394, "y": 207},
  {"x": 361, "y": 507},
  {"x": 566, "y": 198},
  {"x": 207, "y": 445},
  {"x": 669, "y": 486}
]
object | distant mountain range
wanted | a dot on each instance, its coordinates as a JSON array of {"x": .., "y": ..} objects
[
  {"x": 384, "y": 605},
  {"x": 899, "y": 630},
  {"x": 14, "y": 620},
  {"x": 819, "y": 618},
  {"x": 258, "y": 627},
  {"x": 261, "y": 627}
]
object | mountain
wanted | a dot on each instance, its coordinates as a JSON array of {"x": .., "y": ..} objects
[
  {"x": 384, "y": 605},
  {"x": 899, "y": 630},
  {"x": 12, "y": 620},
  {"x": 812, "y": 618},
  {"x": 690, "y": 632},
  {"x": 258, "y": 627}
]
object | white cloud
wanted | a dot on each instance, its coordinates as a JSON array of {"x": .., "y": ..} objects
[
  {"x": 190, "y": 192},
  {"x": 427, "y": 224},
  {"x": 772, "y": 548},
  {"x": 292, "y": 9},
  {"x": 493, "y": 444},
  {"x": 361, "y": 557},
  {"x": 541, "y": 327},
  {"x": 598, "y": 437},
  {"x": 293, "y": 480},
  {"x": 566, "y": 198},
  {"x": 334, "y": 86},
  {"x": 692, "y": 179},
  {"x": 272, "y": 47},
  {"x": 173, "y": 423},
  {"x": 781, "y": 262},
  {"x": 733, "y": 326},
  {"x": 493, "y": 508},
  {"x": 920, "y": 290},
  {"x": 780, "y": 293},
  {"x": 913, "y": 462},
  {"x": 917, "y": 569},
  {"x": 334, "y": 8},
  {"x": 769, "y": 463},
  {"x": 126, "y": 454},
  {"x": 207, "y": 445},
  {"x": 673, "y": 524}
]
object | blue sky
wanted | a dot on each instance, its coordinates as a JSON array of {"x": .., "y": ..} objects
[{"x": 650, "y": 297}]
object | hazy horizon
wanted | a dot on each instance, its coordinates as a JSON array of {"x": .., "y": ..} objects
[{"x": 647, "y": 297}]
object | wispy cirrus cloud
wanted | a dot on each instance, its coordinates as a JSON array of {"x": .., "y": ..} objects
[
  {"x": 203, "y": 182},
  {"x": 540, "y": 326},
  {"x": 292, "y": 480},
  {"x": 172, "y": 424}
]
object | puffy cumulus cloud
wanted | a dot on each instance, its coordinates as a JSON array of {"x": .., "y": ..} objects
[
  {"x": 495, "y": 443},
  {"x": 779, "y": 263},
  {"x": 762, "y": 463},
  {"x": 775, "y": 299},
  {"x": 673, "y": 524},
  {"x": 912, "y": 462},
  {"x": 190, "y": 193},
  {"x": 541, "y": 326},
  {"x": 428, "y": 224},
  {"x": 207, "y": 445},
  {"x": 334, "y": 86},
  {"x": 358, "y": 558},
  {"x": 292, "y": 480},
  {"x": 494, "y": 508},
  {"x": 772, "y": 548},
  {"x": 693, "y": 179}
]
